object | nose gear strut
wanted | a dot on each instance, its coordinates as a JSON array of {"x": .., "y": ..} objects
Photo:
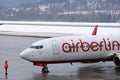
[{"x": 45, "y": 69}]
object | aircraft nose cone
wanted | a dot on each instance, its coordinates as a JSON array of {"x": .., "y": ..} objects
[{"x": 25, "y": 55}]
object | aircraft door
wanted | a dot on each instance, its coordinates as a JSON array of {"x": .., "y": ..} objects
[{"x": 55, "y": 46}]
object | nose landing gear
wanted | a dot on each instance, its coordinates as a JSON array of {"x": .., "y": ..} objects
[
  {"x": 44, "y": 65},
  {"x": 45, "y": 69}
]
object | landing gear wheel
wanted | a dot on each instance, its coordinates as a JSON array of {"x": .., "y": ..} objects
[{"x": 45, "y": 69}]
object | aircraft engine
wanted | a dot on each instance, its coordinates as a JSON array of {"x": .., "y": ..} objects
[{"x": 116, "y": 60}]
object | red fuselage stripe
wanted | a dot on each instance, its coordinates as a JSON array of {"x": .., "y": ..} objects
[{"x": 70, "y": 61}]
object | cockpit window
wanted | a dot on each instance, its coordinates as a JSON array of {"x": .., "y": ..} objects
[{"x": 37, "y": 47}]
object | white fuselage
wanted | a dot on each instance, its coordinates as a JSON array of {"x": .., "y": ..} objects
[{"x": 73, "y": 49}]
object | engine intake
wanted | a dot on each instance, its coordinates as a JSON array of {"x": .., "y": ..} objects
[{"x": 116, "y": 60}]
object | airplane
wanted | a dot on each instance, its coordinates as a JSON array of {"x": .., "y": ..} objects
[{"x": 82, "y": 48}]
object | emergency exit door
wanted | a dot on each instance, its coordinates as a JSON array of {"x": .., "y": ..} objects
[{"x": 55, "y": 46}]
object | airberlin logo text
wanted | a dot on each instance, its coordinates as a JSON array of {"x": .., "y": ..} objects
[{"x": 104, "y": 44}]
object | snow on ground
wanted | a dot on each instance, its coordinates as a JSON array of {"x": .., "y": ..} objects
[{"x": 58, "y": 29}]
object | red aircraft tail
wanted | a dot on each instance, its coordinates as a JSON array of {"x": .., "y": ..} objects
[{"x": 95, "y": 30}]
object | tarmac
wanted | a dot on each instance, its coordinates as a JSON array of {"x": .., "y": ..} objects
[{"x": 19, "y": 69}]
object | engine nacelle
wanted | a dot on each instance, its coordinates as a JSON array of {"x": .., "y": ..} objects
[{"x": 116, "y": 60}]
